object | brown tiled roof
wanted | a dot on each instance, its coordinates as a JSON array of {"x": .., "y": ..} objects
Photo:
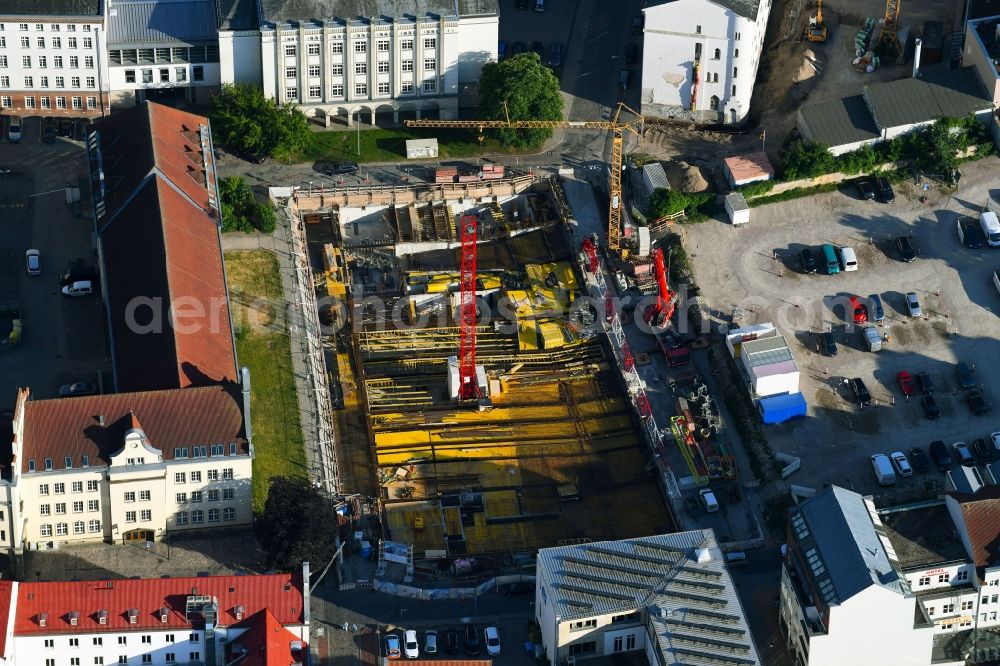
[
  {"x": 981, "y": 513},
  {"x": 71, "y": 427},
  {"x": 161, "y": 246}
]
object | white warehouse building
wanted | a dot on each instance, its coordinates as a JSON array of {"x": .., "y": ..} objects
[
  {"x": 349, "y": 61},
  {"x": 700, "y": 58}
]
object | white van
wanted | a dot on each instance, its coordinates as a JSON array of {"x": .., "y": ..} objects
[
  {"x": 884, "y": 473},
  {"x": 81, "y": 288},
  {"x": 708, "y": 500},
  {"x": 990, "y": 225},
  {"x": 848, "y": 260},
  {"x": 539, "y": 5}
]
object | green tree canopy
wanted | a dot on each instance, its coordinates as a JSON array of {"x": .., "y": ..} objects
[
  {"x": 298, "y": 525},
  {"x": 531, "y": 92},
  {"x": 253, "y": 126},
  {"x": 240, "y": 210}
]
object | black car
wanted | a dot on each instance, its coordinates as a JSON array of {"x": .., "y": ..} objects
[
  {"x": 977, "y": 402},
  {"x": 807, "y": 262},
  {"x": 983, "y": 451},
  {"x": 885, "y": 192},
  {"x": 925, "y": 383},
  {"x": 829, "y": 344},
  {"x": 970, "y": 234},
  {"x": 941, "y": 456},
  {"x": 515, "y": 588},
  {"x": 631, "y": 53},
  {"x": 472, "y": 646},
  {"x": 904, "y": 245},
  {"x": 452, "y": 642},
  {"x": 340, "y": 169},
  {"x": 918, "y": 460},
  {"x": 966, "y": 380},
  {"x": 861, "y": 393},
  {"x": 865, "y": 189},
  {"x": 931, "y": 409},
  {"x": 555, "y": 54}
]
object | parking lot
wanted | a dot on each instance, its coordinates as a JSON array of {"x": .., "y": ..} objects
[
  {"x": 63, "y": 338},
  {"x": 756, "y": 268},
  {"x": 513, "y": 634}
]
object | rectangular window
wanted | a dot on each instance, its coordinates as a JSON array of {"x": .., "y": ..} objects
[
  {"x": 78, "y": 507},
  {"x": 406, "y": 87},
  {"x": 60, "y": 507},
  {"x": 337, "y": 90},
  {"x": 383, "y": 88},
  {"x": 164, "y": 75},
  {"x": 170, "y": 657},
  {"x": 195, "y": 477},
  {"x": 313, "y": 72},
  {"x": 145, "y": 515},
  {"x": 227, "y": 473},
  {"x": 76, "y": 486},
  {"x": 213, "y": 515},
  {"x": 179, "y": 477},
  {"x": 735, "y": 70},
  {"x": 43, "y": 62},
  {"x": 74, "y": 62},
  {"x": 130, "y": 516},
  {"x": 229, "y": 514},
  {"x": 196, "y": 496},
  {"x": 383, "y": 45},
  {"x": 60, "y": 101},
  {"x": 182, "y": 518},
  {"x": 92, "y": 484},
  {"x": 736, "y": 53},
  {"x": 194, "y": 638},
  {"x": 6, "y": 102},
  {"x": 50, "y": 642},
  {"x": 46, "y": 530},
  {"x": 360, "y": 88},
  {"x": 147, "y": 659},
  {"x": 44, "y": 83},
  {"x": 313, "y": 49},
  {"x": 3, "y": 63},
  {"x": 25, "y": 42},
  {"x": 181, "y": 498},
  {"x": 290, "y": 50},
  {"x": 315, "y": 92},
  {"x": 62, "y": 529},
  {"x": 429, "y": 64},
  {"x": 57, "y": 61},
  {"x": 88, "y": 43},
  {"x": 129, "y": 496},
  {"x": 212, "y": 475},
  {"x": 430, "y": 43},
  {"x": 213, "y": 495},
  {"x": 197, "y": 517},
  {"x": 337, "y": 70},
  {"x": 48, "y": 461},
  {"x": 383, "y": 67},
  {"x": 46, "y": 102},
  {"x": 336, "y": 47},
  {"x": 93, "y": 505},
  {"x": 406, "y": 45},
  {"x": 79, "y": 527},
  {"x": 361, "y": 47},
  {"x": 93, "y": 526},
  {"x": 290, "y": 72},
  {"x": 734, "y": 90},
  {"x": 43, "y": 509},
  {"x": 57, "y": 42},
  {"x": 41, "y": 42},
  {"x": 180, "y": 75},
  {"x": 737, "y": 36},
  {"x": 147, "y": 76},
  {"x": 944, "y": 578},
  {"x": 361, "y": 67},
  {"x": 145, "y": 495},
  {"x": 407, "y": 66},
  {"x": 430, "y": 86},
  {"x": 43, "y": 489}
]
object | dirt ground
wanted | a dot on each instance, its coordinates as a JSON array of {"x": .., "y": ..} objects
[{"x": 794, "y": 73}]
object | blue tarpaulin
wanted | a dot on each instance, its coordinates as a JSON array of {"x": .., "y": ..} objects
[{"x": 781, "y": 408}]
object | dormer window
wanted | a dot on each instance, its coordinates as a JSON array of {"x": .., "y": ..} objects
[
  {"x": 200, "y": 451},
  {"x": 31, "y": 464},
  {"x": 164, "y": 614},
  {"x": 43, "y": 619},
  {"x": 102, "y": 617},
  {"x": 232, "y": 448},
  {"x": 48, "y": 464},
  {"x": 218, "y": 450},
  {"x": 86, "y": 461},
  {"x": 69, "y": 462},
  {"x": 181, "y": 452},
  {"x": 240, "y": 610},
  {"x": 133, "y": 615},
  {"x": 74, "y": 618}
]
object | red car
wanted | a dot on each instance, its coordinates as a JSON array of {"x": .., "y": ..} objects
[
  {"x": 906, "y": 385},
  {"x": 860, "y": 311}
]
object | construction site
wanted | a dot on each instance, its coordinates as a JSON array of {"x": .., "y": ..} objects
[{"x": 476, "y": 402}]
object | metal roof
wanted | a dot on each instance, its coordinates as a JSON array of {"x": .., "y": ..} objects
[
  {"x": 283, "y": 11},
  {"x": 51, "y": 8},
  {"x": 765, "y": 351},
  {"x": 839, "y": 121},
  {"x": 680, "y": 580},
  {"x": 237, "y": 14},
  {"x": 159, "y": 21},
  {"x": 938, "y": 92},
  {"x": 656, "y": 176},
  {"x": 745, "y": 8},
  {"x": 840, "y": 524}
]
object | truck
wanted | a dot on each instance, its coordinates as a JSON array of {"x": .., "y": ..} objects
[{"x": 871, "y": 337}]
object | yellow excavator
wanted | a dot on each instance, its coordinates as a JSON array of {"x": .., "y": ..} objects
[{"x": 816, "y": 30}]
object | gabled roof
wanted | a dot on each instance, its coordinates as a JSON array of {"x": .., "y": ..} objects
[
  {"x": 6, "y": 596},
  {"x": 749, "y": 166},
  {"x": 267, "y": 643},
  {"x": 981, "y": 513},
  {"x": 745, "y": 8},
  {"x": 239, "y": 597},
  {"x": 161, "y": 248},
  {"x": 148, "y": 22},
  {"x": 71, "y": 427},
  {"x": 839, "y": 121},
  {"x": 938, "y": 92},
  {"x": 45, "y": 8}
]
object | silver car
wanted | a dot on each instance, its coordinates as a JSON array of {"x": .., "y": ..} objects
[{"x": 913, "y": 305}]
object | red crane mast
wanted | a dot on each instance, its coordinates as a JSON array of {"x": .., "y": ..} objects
[{"x": 468, "y": 387}]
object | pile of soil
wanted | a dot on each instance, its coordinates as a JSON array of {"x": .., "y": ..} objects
[{"x": 691, "y": 179}]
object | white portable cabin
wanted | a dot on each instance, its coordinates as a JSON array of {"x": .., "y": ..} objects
[{"x": 737, "y": 209}]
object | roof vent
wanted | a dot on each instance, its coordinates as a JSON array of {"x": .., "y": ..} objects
[
  {"x": 74, "y": 618},
  {"x": 102, "y": 617},
  {"x": 702, "y": 555},
  {"x": 43, "y": 619},
  {"x": 164, "y": 614}
]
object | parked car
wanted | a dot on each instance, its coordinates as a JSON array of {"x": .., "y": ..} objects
[
  {"x": 492, "y": 641},
  {"x": 969, "y": 233},
  {"x": 33, "y": 262},
  {"x": 829, "y": 344},
  {"x": 14, "y": 133},
  {"x": 905, "y": 381},
  {"x": 452, "y": 642},
  {"x": 865, "y": 189},
  {"x": 875, "y": 309},
  {"x": 983, "y": 451},
  {"x": 860, "y": 391},
  {"x": 472, "y": 647},
  {"x": 79, "y": 288},
  {"x": 340, "y": 169},
  {"x": 885, "y": 474},
  {"x": 860, "y": 310},
  {"x": 904, "y": 245},
  {"x": 555, "y": 54},
  {"x": 431, "y": 641},
  {"x": 392, "y": 646},
  {"x": 977, "y": 402},
  {"x": 931, "y": 409},
  {"x": 807, "y": 261},
  {"x": 963, "y": 454},
  {"x": 515, "y": 588},
  {"x": 708, "y": 501},
  {"x": 78, "y": 388},
  {"x": 918, "y": 460},
  {"x": 885, "y": 192},
  {"x": 941, "y": 456},
  {"x": 901, "y": 464},
  {"x": 966, "y": 380},
  {"x": 410, "y": 644},
  {"x": 631, "y": 53},
  {"x": 913, "y": 305},
  {"x": 925, "y": 383}
]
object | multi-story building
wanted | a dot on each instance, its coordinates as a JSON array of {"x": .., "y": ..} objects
[
  {"x": 53, "y": 59},
  {"x": 162, "y": 51},
  {"x": 392, "y": 64},
  {"x": 204, "y": 621},
  {"x": 844, "y": 599},
  {"x": 669, "y": 597},
  {"x": 700, "y": 58},
  {"x": 129, "y": 466}
]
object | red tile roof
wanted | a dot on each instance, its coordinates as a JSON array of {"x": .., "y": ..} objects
[
  {"x": 161, "y": 248},
  {"x": 749, "y": 166},
  {"x": 280, "y": 593},
  {"x": 181, "y": 417},
  {"x": 268, "y": 643},
  {"x": 6, "y": 596},
  {"x": 981, "y": 513}
]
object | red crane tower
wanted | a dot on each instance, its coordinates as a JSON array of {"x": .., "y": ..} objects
[
  {"x": 659, "y": 313},
  {"x": 468, "y": 387}
]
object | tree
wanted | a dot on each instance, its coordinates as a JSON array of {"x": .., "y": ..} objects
[
  {"x": 298, "y": 525},
  {"x": 667, "y": 202},
  {"x": 804, "y": 159},
  {"x": 530, "y": 91},
  {"x": 240, "y": 210},
  {"x": 249, "y": 124}
]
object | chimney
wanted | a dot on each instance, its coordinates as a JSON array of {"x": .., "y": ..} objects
[{"x": 916, "y": 58}]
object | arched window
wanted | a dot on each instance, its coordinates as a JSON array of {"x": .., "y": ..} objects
[
  {"x": 713, "y": 103},
  {"x": 718, "y": 54}
]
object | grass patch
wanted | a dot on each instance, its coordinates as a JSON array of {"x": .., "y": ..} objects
[
  {"x": 255, "y": 288},
  {"x": 796, "y": 193},
  {"x": 389, "y": 144}
]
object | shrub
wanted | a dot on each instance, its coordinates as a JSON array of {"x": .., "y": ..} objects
[
  {"x": 757, "y": 189},
  {"x": 240, "y": 211},
  {"x": 668, "y": 202},
  {"x": 804, "y": 159}
]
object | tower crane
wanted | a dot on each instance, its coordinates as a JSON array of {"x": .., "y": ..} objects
[
  {"x": 618, "y": 126},
  {"x": 468, "y": 385}
]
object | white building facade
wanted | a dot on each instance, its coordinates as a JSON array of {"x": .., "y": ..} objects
[
  {"x": 384, "y": 69},
  {"x": 700, "y": 58},
  {"x": 55, "y": 65}
]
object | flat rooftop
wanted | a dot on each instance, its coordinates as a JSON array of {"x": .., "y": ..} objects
[{"x": 922, "y": 535}]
